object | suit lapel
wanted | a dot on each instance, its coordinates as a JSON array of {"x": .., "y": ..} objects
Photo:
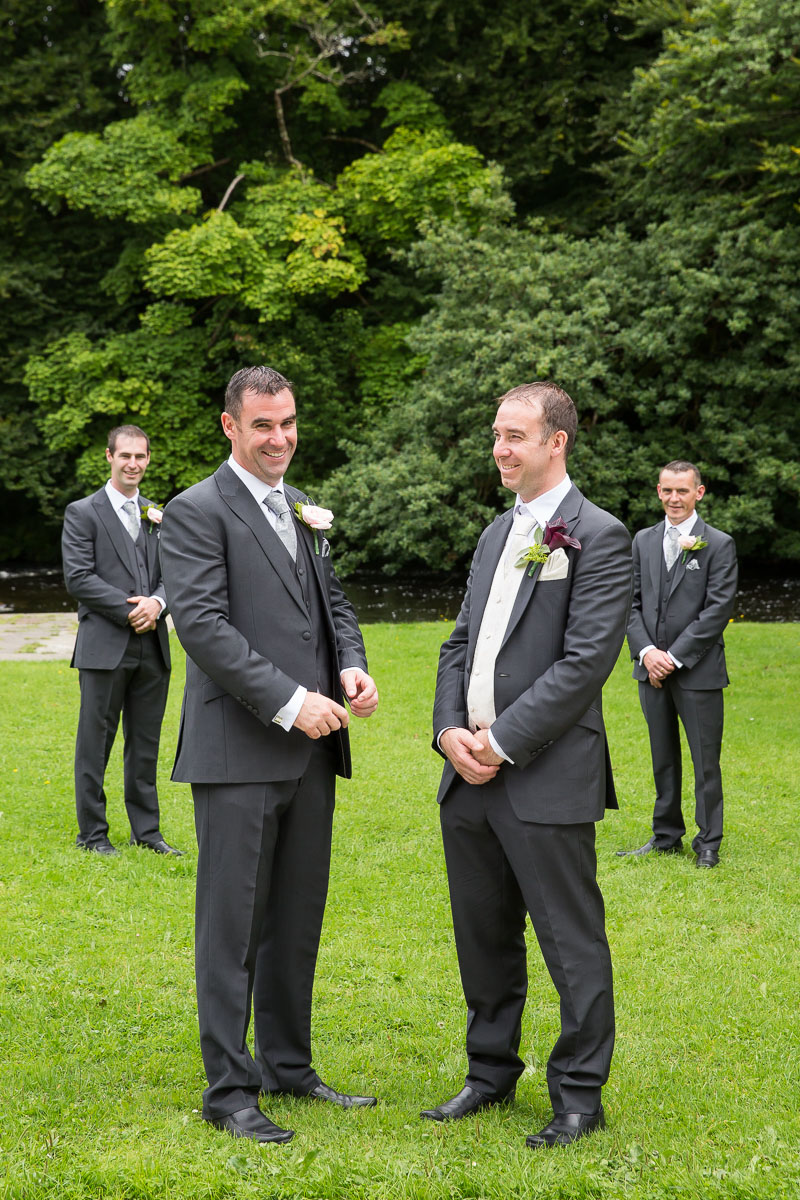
[
  {"x": 150, "y": 543},
  {"x": 120, "y": 539},
  {"x": 241, "y": 502},
  {"x": 568, "y": 510},
  {"x": 655, "y": 556}
]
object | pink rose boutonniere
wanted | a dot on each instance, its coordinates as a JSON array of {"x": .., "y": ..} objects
[
  {"x": 688, "y": 544},
  {"x": 315, "y": 518},
  {"x": 553, "y": 537},
  {"x": 152, "y": 514}
]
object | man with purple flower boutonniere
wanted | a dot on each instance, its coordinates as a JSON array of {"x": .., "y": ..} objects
[
  {"x": 684, "y": 590},
  {"x": 518, "y": 716},
  {"x": 110, "y": 553},
  {"x": 273, "y": 650}
]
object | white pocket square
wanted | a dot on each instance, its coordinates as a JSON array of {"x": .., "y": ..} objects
[
  {"x": 556, "y": 567},
  {"x": 693, "y": 565}
]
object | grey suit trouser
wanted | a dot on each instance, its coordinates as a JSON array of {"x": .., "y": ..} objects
[
  {"x": 499, "y": 868},
  {"x": 137, "y": 689},
  {"x": 701, "y": 714},
  {"x": 262, "y": 880}
]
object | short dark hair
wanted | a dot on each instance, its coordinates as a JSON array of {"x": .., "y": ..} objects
[
  {"x": 262, "y": 380},
  {"x": 556, "y": 409},
  {"x": 132, "y": 431},
  {"x": 679, "y": 465}
]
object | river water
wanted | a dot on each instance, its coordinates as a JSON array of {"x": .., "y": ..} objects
[{"x": 377, "y": 597}]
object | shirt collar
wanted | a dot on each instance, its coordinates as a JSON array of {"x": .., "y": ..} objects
[
  {"x": 257, "y": 487},
  {"x": 118, "y": 498},
  {"x": 543, "y": 507},
  {"x": 685, "y": 527}
]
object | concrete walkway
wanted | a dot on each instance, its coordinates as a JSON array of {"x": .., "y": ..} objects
[{"x": 37, "y": 637}]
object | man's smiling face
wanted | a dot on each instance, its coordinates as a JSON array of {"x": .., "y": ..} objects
[{"x": 264, "y": 437}]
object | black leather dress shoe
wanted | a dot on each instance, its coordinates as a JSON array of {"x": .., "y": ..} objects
[
  {"x": 707, "y": 858},
  {"x": 102, "y": 847},
  {"x": 251, "y": 1123},
  {"x": 566, "y": 1128},
  {"x": 468, "y": 1101},
  {"x": 159, "y": 847},
  {"x": 323, "y": 1092},
  {"x": 675, "y": 848}
]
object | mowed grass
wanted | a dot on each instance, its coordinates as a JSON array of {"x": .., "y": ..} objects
[{"x": 100, "y": 1070}]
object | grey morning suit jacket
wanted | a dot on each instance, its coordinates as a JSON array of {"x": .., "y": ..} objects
[
  {"x": 240, "y": 615},
  {"x": 699, "y": 605},
  {"x": 100, "y": 572},
  {"x": 560, "y": 646}
]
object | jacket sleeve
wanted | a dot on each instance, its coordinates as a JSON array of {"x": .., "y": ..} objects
[
  {"x": 195, "y": 571},
  {"x": 639, "y": 635},
  {"x": 78, "y": 553},
  {"x": 709, "y": 624},
  {"x": 449, "y": 705},
  {"x": 597, "y": 617}
]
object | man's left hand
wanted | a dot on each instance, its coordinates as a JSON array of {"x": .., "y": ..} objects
[
  {"x": 486, "y": 754},
  {"x": 143, "y": 617},
  {"x": 360, "y": 690}
]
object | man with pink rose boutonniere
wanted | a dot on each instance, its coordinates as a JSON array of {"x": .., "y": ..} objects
[
  {"x": 111, "y": 567},
  {"x": 518, "y": 718},
  {"x": 685, "y": 579}
]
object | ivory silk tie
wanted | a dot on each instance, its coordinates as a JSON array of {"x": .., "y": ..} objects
[
  {"x": 505, "y": 585},
  {"x": 132, "y": 518},
  {"x": 672, "y": 549},
  {"x": 284, "y": 525}
]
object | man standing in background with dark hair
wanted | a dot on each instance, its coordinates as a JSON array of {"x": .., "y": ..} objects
[
  {"x": 273, "y": 647},
  {"x": 684, "y": 590},
  {"x": 518, "y": 715},
  {"x": 110, "y": 553}
]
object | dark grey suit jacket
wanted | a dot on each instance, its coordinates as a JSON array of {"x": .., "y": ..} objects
[
  {"x": 100, "y": 572},
  {"x": 562, "y": 641},
  {"x": 700, "y": 604},
  {"x": 240, "y": 615}
]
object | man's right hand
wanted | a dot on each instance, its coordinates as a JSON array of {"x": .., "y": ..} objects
[
  {"x": 658, "y": 665},
  {"x": 319, "y": 716},
  {"x": 460, "y": 747}
]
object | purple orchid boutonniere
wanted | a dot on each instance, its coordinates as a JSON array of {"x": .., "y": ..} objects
[
  {"x": 315, "y": 518},
  {"x": 689, "y": 544},
  {"x": 553, "y": 537}
]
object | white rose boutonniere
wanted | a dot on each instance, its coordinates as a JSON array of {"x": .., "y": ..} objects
[
  {"x": 152, "y": 514},
  {"x": 316, "y": 519},
  {"x": 687, "y": 544}
]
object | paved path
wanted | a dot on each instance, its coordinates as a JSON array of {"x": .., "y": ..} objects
[{"x": 39, "y": 637}]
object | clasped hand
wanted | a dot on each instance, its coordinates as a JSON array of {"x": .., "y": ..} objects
[
  {"x": 143, "y": 617},
  {"x": 320, "y": 716},
  {"x": 658, "y": 665},
  {"x": 471, "y": 754}
]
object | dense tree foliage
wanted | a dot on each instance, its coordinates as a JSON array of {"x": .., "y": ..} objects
[{"x": 407, "y": 208}]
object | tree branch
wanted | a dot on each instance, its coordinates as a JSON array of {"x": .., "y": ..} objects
[{"x": 236, "y": 179}]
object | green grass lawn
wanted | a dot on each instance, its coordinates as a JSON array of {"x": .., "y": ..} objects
[{"x": 100, "y": 1070}]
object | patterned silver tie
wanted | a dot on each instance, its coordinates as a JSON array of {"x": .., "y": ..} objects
[
  {"x": 284, "y": 525},
  {"x": 672, "y": 549},
  {"x": 131, "y": 514}
]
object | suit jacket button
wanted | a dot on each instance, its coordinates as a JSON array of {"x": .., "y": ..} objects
[{"x": 306, "y": 635}]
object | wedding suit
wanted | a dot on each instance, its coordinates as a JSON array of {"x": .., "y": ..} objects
[
  {"x": 524, "y": 841},
  {"x": 255, "y": 625},
  {"x": 685, "y": 611}
]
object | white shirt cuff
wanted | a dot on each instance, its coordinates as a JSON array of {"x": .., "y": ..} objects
[
  {"x": 286, "y": 716},
  {"x": 642, "y": 653},
  {"x": 498, "y": 749},
  {"x": 674, "y": 659},
  {"x": 163, "y": 604}
]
